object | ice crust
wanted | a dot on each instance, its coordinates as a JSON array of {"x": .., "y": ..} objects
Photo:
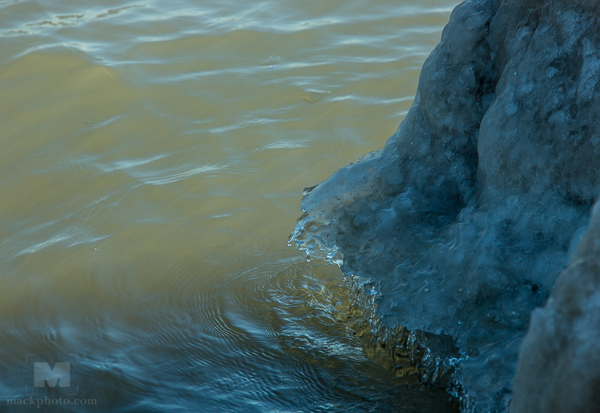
[
  {"x": 559, "y": 362},
  {"x": 468, "y": 214}
]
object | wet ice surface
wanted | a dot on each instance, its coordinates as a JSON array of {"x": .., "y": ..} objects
[{"x": 464, "y": 219}]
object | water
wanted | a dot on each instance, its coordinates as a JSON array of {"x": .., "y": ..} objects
[{"x": 153, "y": 158}]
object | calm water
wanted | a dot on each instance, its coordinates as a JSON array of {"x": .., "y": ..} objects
[{"x": 153, "y": 158}]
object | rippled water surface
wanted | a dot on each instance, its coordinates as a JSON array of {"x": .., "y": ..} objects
[{"x": 153, "y": 159}]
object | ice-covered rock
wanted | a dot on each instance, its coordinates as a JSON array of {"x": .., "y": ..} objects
[
  {"x": 468, "y": 214},
  {"x": 559, "y": 361}
]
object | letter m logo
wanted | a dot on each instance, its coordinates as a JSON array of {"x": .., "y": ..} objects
[{"x": 43, "y": 373}]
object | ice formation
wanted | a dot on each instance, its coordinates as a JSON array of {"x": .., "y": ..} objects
[
  {"x": 559, "y": 361},
  {"x": 468, "y": 214}
]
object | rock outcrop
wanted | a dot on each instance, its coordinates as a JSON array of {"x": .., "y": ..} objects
[{"x": 468, "y": 214}]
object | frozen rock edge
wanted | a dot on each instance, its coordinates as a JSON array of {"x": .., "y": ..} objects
[{"x": 467, "y": 215}]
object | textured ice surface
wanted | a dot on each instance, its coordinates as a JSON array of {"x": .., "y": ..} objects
[
  {"x": 467, "y": 215},
  {"x": 559, "y": 362}
]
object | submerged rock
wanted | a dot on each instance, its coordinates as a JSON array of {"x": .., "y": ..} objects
[{"x": 467, "y": 215}]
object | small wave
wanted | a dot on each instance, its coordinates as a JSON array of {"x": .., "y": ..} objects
[{"x": 173, "y": 174}]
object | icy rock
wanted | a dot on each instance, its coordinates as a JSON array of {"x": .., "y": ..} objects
[
  {"x": 467, "y": 215},
  {"x": 559, "y": 361}
]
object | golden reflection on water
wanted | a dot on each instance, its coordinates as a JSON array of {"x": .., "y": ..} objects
[{"x": 153, "y": 159}]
